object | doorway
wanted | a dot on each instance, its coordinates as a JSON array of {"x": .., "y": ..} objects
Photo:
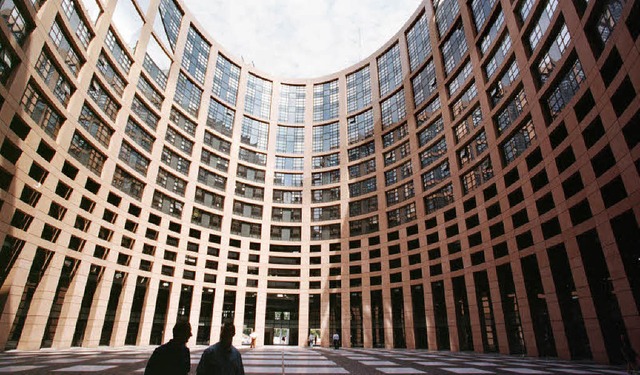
[{"x": 281, "y": 323}]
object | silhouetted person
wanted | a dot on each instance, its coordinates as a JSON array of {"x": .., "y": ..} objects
[
  {"x": 336, "y": 340},
  {"x": 172, "y": 358},
  {"x": 222, "y": 358}
]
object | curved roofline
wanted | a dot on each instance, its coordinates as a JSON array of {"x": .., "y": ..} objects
[{"x": 215, "y": 45}]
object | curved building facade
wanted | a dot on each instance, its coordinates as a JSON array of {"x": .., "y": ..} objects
[{"x": 472, "y": 185}]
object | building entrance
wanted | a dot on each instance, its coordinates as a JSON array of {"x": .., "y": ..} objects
[{"x": 281, "y": 322}]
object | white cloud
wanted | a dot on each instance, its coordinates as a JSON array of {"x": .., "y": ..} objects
[{"x": 302, "y": 38}]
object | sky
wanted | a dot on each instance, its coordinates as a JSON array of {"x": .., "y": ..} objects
[{"x": 302, "y": 38}]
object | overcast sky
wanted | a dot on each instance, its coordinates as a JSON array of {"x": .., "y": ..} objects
[{"x": 302, "y": 38}]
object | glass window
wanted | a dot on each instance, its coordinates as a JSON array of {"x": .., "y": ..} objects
[
  {"x": 393, "y": 109},
  {"x": 362, "y": 187},
  {"x": 360, "y": 127},
  {"x": 196, "y": 55},
  {"x": 140, "y": 136},
  {"x": 541, "y": 26},
  {"x": 287, "y": 179},
  {"x": 467, "y": 124},
  {"x": 40, "y": 111},
  {"x": 477, "y": 176},
  {"x": 446, "y": 12},
  {"x": 563, "y": 91},
  {"x": 102, "y": 99},
  {"x": 491, "y": 35},
  {"x": 433, "y": 153},
  {"x": 291, "y": 107},
  {"x": 254, "y": 133},
  {"x": 473, "y": 149},
  {"x": 258, "y": 97},
  {"x": 498, "y": 56},
  {"x": 149, "y": 92},
  {"x": 609, "y": 17},
  {"x": 511, "y": 112},
  {"x": 182, "y": 122},
  {"x": 220, "y": 117},
  {"x": 481, "y": 10},
  {"x": 96, "y": 127},
  {"x": 358, "y": 89},
  {"x": 424, "y": 84},
  {"x": 521, "y": 139},
  {"x": 77, "y": 23},
  {"x": 157, "y": 63},
  {"x": 177, "y": 162},
  {"x": 362, "y": 151},
  {"x": 252, "y": 157},
  {"x": 454, "y": 49},
  {"x": 289, "y": 163},
  {"x": 188, "y": 95},
  {"x": 435, "y": 175},
  {"x": 326, "y": 137},
  {"x": 325, "y": 161},
  {"x": 431, "y": 132},
  {"x": 144, "y": 113},
  {"x": 325, "y": 101},
  {"x": 52, "y": 76},
  {"x": 290, "y": 140},
  {"x": 364, "y": 226},
  {"x": 459, "y": 80},
  {"x": 226, "y": 80},
  {"x": 110, "y": 74},
  {"x": 65, "y": 49},
  {"x": 324, "y": 195},
  {"x": 425, "y": 113},
  {"x": 86, "y": 154},
  {"x": 463, "y": 102},
  {"x": 395, "y": 135},
  {"x": 167, "y": 23},
  {"x": 14, "y": 20},
  {"x": 418, "y": 42},
  {"x": 503, "y": 83},
  {"x": 389, "y": 70},
  {"x": 134, "y": 159},
  {"x": 438, "y": 199},
  {"x": 363, "y": 206},
  {"x": 364, "y": 168},
  {"x": 8, "y": 61},
  {"x": 554, "y": 53},
  {"x": 125, "y": 182}
]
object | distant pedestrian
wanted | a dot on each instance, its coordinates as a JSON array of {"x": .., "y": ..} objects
[
  {"x": 254, "y": 337},
  {"x": 312, "y": 339},
  {"x": 336, "y": 340},
  {"x": 222, "y": 358},
  {"x": 172, "y": 358}
]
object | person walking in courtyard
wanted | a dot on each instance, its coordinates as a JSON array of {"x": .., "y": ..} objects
[
  {"x": 312, "y": 339},
  {"x": 253, "y": 336},
  {"x": 336, "y": 340},
  {"x": 172, "y": 358},
  {"x": 222, "y": 358}
]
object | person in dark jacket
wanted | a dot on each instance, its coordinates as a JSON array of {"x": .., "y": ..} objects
[
  {"x": 222, "y": 358},
  {"x": 172, "y": 358}
]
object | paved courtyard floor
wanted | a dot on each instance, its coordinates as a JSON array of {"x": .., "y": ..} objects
[{"x": 275, "y": 360}]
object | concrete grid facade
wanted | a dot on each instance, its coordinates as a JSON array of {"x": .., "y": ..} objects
[{"x": 472, "y": 185}]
